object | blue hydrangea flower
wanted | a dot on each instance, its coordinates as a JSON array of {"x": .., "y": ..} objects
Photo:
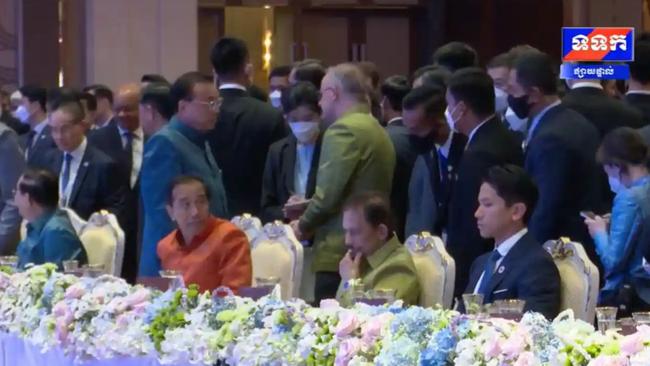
[
  {"x": 402, "y": 351},
  {"x": 439, "y": 349},
  {"x": 414, "y": 322}
]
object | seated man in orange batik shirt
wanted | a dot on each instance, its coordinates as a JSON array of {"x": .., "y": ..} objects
[{"x": 208, "y": 251}]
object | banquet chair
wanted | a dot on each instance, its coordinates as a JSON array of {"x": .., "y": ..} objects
[
  {"x": 277, "y": 253},
  {"x": 436, "y": 269},
  {"x": 77, "y": 222},
  {"x": 579, "y": 277},
  {"x": 103, "y": 240},
  {"x": 249, "y": 224}
]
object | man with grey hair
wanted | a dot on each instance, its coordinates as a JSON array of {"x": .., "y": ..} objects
[{"x": 357, "y": 155}]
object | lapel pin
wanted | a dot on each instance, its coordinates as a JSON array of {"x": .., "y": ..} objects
[
  {"x": 501, "y": 269},
  {"x": 86, "y": 164}
]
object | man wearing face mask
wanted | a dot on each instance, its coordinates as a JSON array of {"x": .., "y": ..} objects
[
  {"x": 40, "y": 150},
  {"x": 8, "y": 118},
  {"x": 470, "y": 110},
  {"x": 278, "y": 80},
  {"x": 560, "y": 152},
  {"x": 499, "y": 70},
  {"x": 292, "y": 163}
]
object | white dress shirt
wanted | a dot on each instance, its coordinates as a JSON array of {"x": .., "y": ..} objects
[
  {"x": 587, "y": 84},
  {"x": 304, "y": 155},
  {"x": 503, "y": 249},
  {"x": 75, "y": 163},
  {"x": 393, "y": 120},
  {"x": 232, "y": 86},
  {"x": 137, "y": 149},
  {"x": 642, "y": 92},
  {"x": 471, "y": 134}
]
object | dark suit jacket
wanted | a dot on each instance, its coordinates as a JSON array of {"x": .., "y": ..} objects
[
  {"x": 492, "y": 144},
  {"x": 98, "y": 185},
  {"x": 527, "y": 273},
  {"x": 405, "y": 154},
  {"x": 640, "y": 102},
  {"x": 603, "y": 111},
  {"x": 43, "y": 154},
  {"x": 560, "y": 157},
  {"x": 108, "y": 140},
  {"x": 240, "y": 141},
  {"x": 279, "y": 177},
  {"x": 14, "y": 123}
]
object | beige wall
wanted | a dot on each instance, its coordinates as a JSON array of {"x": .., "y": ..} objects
[{"x": 126, "y": 38}]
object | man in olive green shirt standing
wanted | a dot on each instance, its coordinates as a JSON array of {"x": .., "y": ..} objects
[
  {"x": 356, "y": 156},
  {"x": 375, "y": 256}
]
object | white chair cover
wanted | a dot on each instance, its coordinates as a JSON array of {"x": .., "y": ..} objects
[
  {"x": 249, "y": 224},
  {"x": 103, "y": 240},
  {"x": 277, "y": 253},
  {"x": 579, "y": 277},
  {"x": 436, "y": 269}
]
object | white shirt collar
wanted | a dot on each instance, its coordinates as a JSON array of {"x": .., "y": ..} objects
[
  {"x": 78, "y": 153},
  {"x": 471, "y": 134},
  {"x": 232, "y": 86},
  {"x": 40, "y": 126},
  {"x": 507, "y": 244},
  {"x": 393, "y": 120},
  {"x": 641, "y": 92},
  {"x": 587, "y": 84},
  {"x": 444, "y": 148}
]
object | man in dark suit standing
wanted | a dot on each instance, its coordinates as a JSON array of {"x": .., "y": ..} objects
[
  {"x": 393, "y": 91},
  {"x": 40, "y": 150},
  {"x": 470, "y": 110},
  {"x": 439, "y": 152},
  {"x": 123, "y": 141},
  {"x": 245, "y": 129},
  {"x": 518, "y": 267},
  {"x": 89, "y": 181},
  {"x": 104, "y": 113},
  {"x": 638, "y": 91},
  {"x": 560, "y": 152}
]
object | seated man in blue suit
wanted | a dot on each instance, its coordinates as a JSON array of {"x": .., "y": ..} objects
[
  {"x": 179, "y": 148},
  {"x": 50, "y": 235},
  {"x": 518, "y": 267}
]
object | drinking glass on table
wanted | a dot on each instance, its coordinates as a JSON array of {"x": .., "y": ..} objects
[
  {"x": 175, "y": 278},
  {"x": 473, "y": 303},
  {"x": 10, "y": 261},
  {"x": 71, "y": 266},
  {"x": 511, "y": 308},
  {"x": 641, "y": 318},
  {"x": 93, "y": 270},
  {"x": 606, "y": 316}
]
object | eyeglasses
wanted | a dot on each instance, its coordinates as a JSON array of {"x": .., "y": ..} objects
[{"x": 213, "y": 104}]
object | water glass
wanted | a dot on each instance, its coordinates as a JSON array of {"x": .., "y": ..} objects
[
  {"x": 626, "y": 326},
  {"x": 10, "y": 261},
  {"x": 386, "y": 294},
  {"x": 641, "y": 318},
  {"x": 70, "y": 266},
  {"x": 93, "y": 270},
  {"x": 267, "y": 281},
  {"x": 606, "y": 316},
  {"x": 175, "y": 278},
  {"x": 511, "y": 308},
  {"x": 473, "y": 303}
]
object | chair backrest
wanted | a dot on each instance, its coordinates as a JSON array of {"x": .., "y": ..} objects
[
  {"x": 249, "y": 224},
  {"x": 579, "y": 277},
  {"x": 103, "y": 240},
  {"x": 277, "y": 253},
  {"x": 436, "y": 269}
]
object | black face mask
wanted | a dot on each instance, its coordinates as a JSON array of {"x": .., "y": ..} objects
[{"x": 519, "y": 105}]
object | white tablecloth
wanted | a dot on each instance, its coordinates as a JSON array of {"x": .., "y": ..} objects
[{"x": 15, "y": 351}]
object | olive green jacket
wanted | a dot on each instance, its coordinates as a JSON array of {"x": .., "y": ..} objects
[{"x": 356, "y": 156}]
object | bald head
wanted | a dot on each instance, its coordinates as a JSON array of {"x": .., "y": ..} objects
[
  {"x": 343, "y": 87},
  {"x": 126, "y": 105}
]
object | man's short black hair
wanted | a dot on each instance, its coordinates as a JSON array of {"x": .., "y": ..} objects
[
  {"x": 310, "y": 70},
  {"x": 62, "y": 95},
  {"x": 501, "y": 60},
  {"x": 513, "y": 185},
  {"x": 101, "y": 91},
  {"x": 35, "y": 93},
  {"x": 455, "y": 56},
  {"x": 433, "y": 75},
  {"x": 475, "y": 87},
  {"x": 183, "y": 87},
  {"x": 300, "y": 94},
  {"x": 375, "y": 207},
  {"x": 185, "y": 179},
  {"x": 229, "y": 56},
  {"x": 153, "y": 78},
  {"x": 640, "y": 67},
  {"x": 395, "y": 88},
  {"x": 91, "y": 101},
  {"x": 537, "y": 69},
  {"x": 280, "y": 71},
  {"x": 430, "y": 98},
  {"x": 158, "y": 96},
  {"x": 42, "y": 186}
]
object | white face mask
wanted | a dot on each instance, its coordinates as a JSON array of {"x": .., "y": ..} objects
[
  {"x": 515, "y": 123},
  {"x": 450, "y": 120},
  {"x": 22, "y": 114},
  {"x": 500, "y": 100},
  {"x": 275, "y": 98},
  {"x": 305, "y": 132},
  {"x": 615, "y": 184}
]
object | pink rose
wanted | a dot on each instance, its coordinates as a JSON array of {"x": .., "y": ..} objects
[
  {"x": 329, "y": 304},
  {"x": 609, "y": 361},
  {"x": 62, "y": 312},
  {"x": 348, "y": 322},
  {"x": 632, "y": 344},
  {"x": 372, "y": 329},
  {"x": 347, "y": 350},
  {"x": 514, "y": 345},
  {"x": 75, "y": 291},
  {"x": 492, "y": 348},
  {"x": 526, "y": 359},
  {"x": 137, "y": 297}
]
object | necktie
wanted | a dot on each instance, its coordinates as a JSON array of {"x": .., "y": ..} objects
[
  {"x": 65, "y": 176},
  {"x": 444, "y": 166},
  {"x": 488, "y": 272},
  {"x": 128, "y": 152}
]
